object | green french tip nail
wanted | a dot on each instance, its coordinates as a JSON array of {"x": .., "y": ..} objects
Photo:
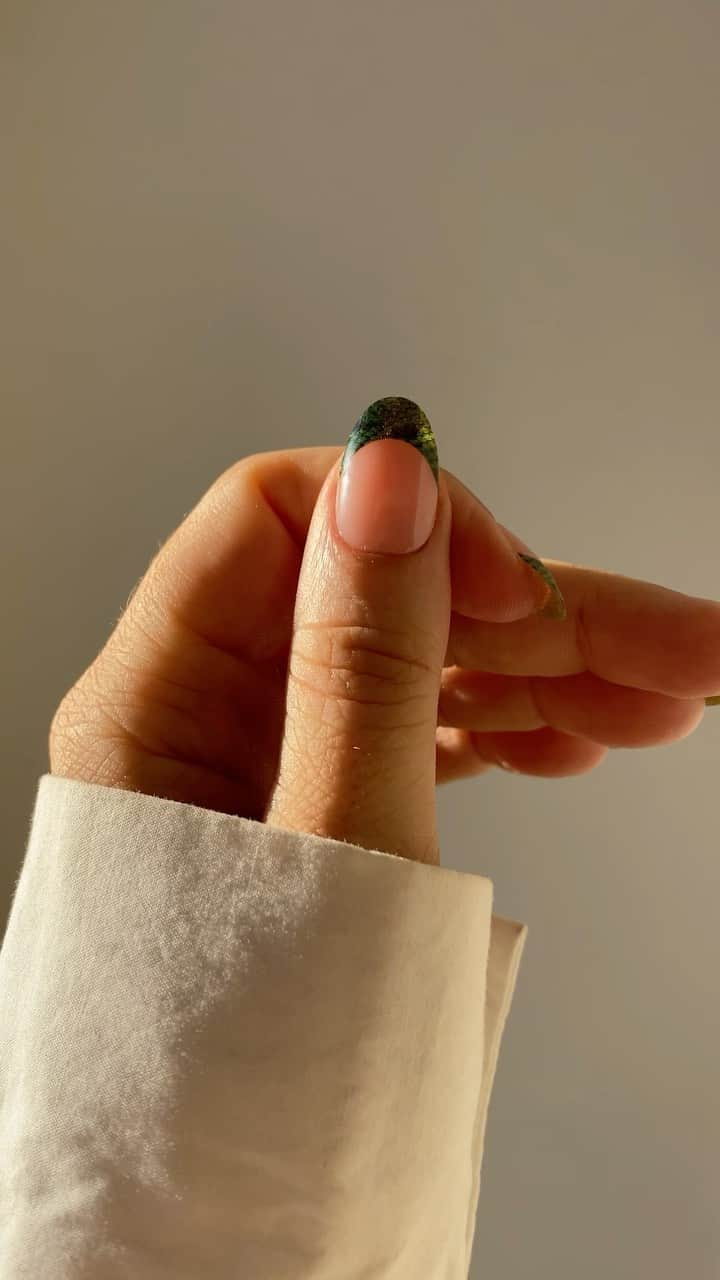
[
  {"x": 393, "y": 418},
  {"x": 555, "y": 607},
  {"x": 714, "y": 701}
]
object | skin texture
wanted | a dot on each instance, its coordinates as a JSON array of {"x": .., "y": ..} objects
[{"x": 187, "y": 698}]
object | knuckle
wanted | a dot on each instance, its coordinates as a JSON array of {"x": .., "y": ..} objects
[
  {"x": 83, "y": 710},
  {"x": 72, "y": 726},
  {"x": 68, "y": 713},
  {"x": 245, "y": 474},
  {"x": 86, "y": 740}
]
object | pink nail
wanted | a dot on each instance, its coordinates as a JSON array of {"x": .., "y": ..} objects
[{"x": 386, "y": 498}]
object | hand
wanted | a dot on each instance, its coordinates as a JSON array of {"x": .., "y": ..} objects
[{"x": 262, "y": 667}]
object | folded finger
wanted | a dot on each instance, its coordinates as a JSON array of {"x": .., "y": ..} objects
[
  {"x": 542, "y": 753},
  {"x": 623, "y": 630},
  {"x": 583, "y": 704}
]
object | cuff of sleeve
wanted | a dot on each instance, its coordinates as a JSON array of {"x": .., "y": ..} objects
[{"x": 231, "y": 1049}]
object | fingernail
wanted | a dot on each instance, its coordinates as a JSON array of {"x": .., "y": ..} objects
[
  {"x": 714, "y": 701},
  {"x": 553, "y": 605},
  {"x": 388, "y": 484}
]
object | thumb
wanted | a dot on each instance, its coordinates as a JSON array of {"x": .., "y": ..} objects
[{"x": 370, "y": 632}]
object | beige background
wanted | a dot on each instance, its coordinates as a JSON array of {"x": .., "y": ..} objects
[{"x": 228, "y": 227}]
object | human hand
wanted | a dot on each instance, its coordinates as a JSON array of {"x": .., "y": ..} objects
[{"x": 262, "y": 667}]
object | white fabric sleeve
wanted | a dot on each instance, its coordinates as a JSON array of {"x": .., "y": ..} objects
[{"x": 230, "y": 1050}]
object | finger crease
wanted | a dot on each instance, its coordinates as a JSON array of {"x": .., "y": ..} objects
[{"x": 339, "y": 695}]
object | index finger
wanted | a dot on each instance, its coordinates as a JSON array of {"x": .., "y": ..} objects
[{"x": 625, "y": 630}]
